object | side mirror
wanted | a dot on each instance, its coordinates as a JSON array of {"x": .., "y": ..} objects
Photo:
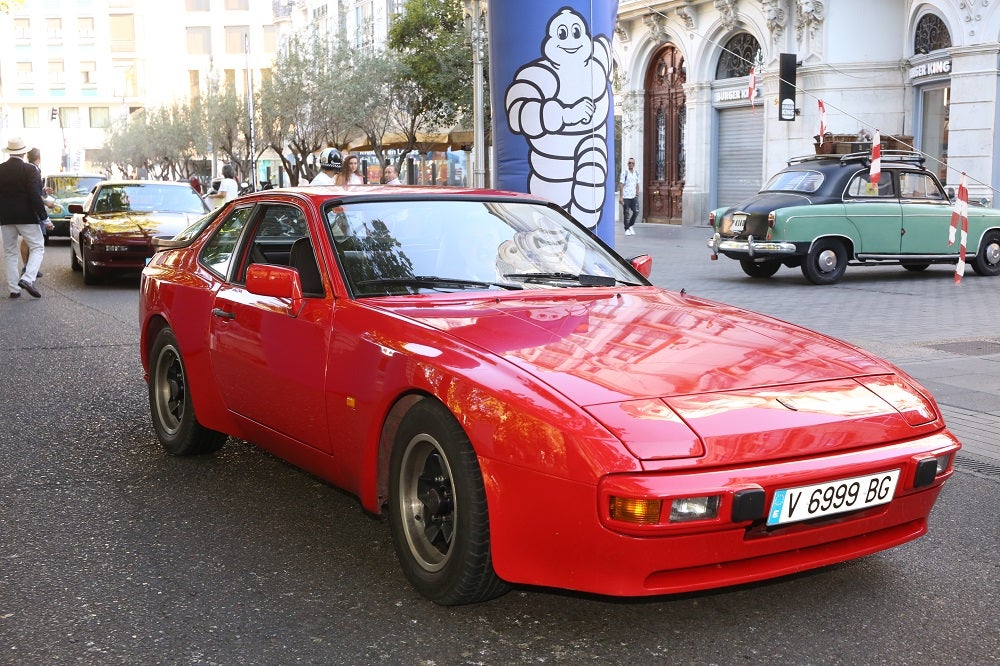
[
  {"x": 643, "y": 264},
  {"x": 276, "y": 281},
  {"x": 76, "y": 209}
]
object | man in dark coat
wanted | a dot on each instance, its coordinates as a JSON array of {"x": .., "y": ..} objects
[{"x": 21, "y": 207}]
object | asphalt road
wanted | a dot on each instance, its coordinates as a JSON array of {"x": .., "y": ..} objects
[{"x": 112, "y": 553}]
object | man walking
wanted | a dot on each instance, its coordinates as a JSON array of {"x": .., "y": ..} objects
[
  {"x": 21, "y": 207},
  {"x": 628, "y": 195}
]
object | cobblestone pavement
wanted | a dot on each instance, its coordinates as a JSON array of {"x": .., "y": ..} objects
[{"x": 946, "y": 335}]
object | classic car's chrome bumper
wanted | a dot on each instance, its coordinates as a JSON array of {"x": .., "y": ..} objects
[{"x": 749, "y": 247}]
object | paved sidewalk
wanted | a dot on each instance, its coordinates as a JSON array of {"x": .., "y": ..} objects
[{"x": 946, "y": 335}]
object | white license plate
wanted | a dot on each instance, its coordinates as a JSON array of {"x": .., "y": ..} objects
[
  {"x": 739, "y": 223},
  {"x": 791, "y": 505}
]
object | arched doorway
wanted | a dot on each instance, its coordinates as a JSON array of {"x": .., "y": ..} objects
[{"x": 664, "y": 136}]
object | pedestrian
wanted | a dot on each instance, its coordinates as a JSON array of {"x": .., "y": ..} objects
[
  {"x": 34, "y": 158},
  {"x": 390, "y": 177},
  {"x": 330, "y": 164},
  {"x": 228, "y": 187},
  {"x": 350, "y": 175},
  {"x": 628, "y": 196},
  {"x": 21, "y": 208},
  {"x": 195, "y": 184}
]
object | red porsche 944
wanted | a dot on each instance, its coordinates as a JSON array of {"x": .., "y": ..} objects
[{"x": 521, "y": 403}]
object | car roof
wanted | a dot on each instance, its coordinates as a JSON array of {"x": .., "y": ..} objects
[
  {"x": 384, "y": 192},
  {"x": 168, "y": 183}
]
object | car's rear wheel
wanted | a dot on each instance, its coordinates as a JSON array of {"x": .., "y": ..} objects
[
  {"x": 90, "y": 275},
  {"x": 826, "y": 262},
  {"x": 916, "y": 268},
  {"x": 987, "y": 261},
  {"x": 437, "y": 510},
  {"x": 760, "y": 269},
  {"x": 170, "y": 406}
]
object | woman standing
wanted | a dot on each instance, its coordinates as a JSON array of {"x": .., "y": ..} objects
[{"x": 349, "y": 174}]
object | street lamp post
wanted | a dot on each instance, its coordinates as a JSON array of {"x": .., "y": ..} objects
[{"x": 474, "y": 13}]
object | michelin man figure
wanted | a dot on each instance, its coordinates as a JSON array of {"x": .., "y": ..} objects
[{"x": 560, "y": 104}]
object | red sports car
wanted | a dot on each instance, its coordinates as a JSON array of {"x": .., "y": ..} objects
[{"x": 522, "y": 403}]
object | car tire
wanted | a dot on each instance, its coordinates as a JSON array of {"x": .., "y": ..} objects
[
  {"x": 90, "y": 276},
  {"x": 437, "y": 510},
  {"x": 916, "y": 268},
  {"x": 987, "y": 261},
  {"x": 760, "y": 269},
  {"x": 170, "y": 405},
  {"x": 826, "y": 262},
  {"x": 74, "y": 263}
]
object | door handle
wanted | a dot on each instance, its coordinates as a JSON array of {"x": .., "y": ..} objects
[{"x": 219, "y": 312}]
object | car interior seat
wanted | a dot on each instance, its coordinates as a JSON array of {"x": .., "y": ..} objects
[{"x": 302, "y": 259}]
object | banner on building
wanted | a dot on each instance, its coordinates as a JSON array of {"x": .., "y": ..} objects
[{"x": 553, "y": 122}]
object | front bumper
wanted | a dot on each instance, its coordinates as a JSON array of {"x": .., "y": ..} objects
[
  {"x": 749, "y": 247},
  {"x": 573, "y": 548}
]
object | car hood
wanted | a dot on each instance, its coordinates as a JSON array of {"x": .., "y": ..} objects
[
  {"x": 602, "y": 346},
  {"x": 141, "y": 225},
  {"x": 765, "y": 202},
  {"x": 679, "y": 377}
]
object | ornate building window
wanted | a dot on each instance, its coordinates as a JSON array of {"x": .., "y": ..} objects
[
  {"x": 931, "y": 35},
  {"x": 738, "y": 56}
]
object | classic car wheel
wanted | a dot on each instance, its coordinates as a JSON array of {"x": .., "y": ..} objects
[
  {"x": 987, "y": 261},
  {"x": 437, "y": 510},
  {"x": 916, "y": 268},
  {"x": 90, "y": 276},
  {"x": 826, "y": 262},
  {"x": 760, "y": 269},
  {"x": 74, "y": 263},
  {"x": 170, "y": 402}
]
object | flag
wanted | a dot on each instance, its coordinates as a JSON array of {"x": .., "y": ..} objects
[
  {"x": 822, "y": 121},
  {"x": 875, "y": 173},
  {"x": 960, "y": 219},
  {"x": 752, "y": 87}
]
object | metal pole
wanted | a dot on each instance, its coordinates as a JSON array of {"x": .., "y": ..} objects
[
  {"x": 479, "y": 130},
  {"x": 250, "y": 111}
]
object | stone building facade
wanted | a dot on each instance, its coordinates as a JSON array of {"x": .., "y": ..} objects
[{"x": 924, "y": 73}]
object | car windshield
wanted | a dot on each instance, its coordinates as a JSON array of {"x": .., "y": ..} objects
[
  {"x": 794, "y": 181},
  {"x": 64, "y": 187},
  {"x": 406, "y": 247},
  {"x": 147, "y": 198}
]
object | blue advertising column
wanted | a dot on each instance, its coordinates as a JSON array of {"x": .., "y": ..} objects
[{"x": 553, "y": 112}]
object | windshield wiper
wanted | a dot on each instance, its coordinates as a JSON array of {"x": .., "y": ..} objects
[
  {"x": 584, "y": 279},
  {"x": 435, "y": 281}
]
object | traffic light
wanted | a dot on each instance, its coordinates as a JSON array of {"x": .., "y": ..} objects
[{"x": 55, "y": 114}]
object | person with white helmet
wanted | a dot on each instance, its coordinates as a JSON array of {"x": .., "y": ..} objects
[{"x": 330, "y": 164}]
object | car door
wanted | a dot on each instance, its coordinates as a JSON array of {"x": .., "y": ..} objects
[
  {"x": 926, "y": 215},
  {"x": 269, "y": 361},
  {"x": 874, "y": 211}
]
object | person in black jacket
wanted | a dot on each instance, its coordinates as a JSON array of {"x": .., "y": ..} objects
[{"x": 21, "y": 207}]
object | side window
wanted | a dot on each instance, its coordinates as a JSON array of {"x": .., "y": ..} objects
[
  {"x": 862, "y": 188},
  {"x": 217, "y": 255},
  {"x": 279, "y": 227},
  {"x": 919, "y": 186}
]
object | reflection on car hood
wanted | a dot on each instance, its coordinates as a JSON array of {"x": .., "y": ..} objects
[
  {"x": 603, "y": 346},
  {"x": 765, "y": 202},
  {"x": 141, "y": 224}
]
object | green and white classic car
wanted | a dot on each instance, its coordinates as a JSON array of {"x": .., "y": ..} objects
[{"x": 821, "y": 213}]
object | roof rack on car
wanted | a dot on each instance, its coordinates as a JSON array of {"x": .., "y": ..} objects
[{"x": 908, "y": 156}]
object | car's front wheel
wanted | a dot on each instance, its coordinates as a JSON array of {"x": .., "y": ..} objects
[
  {"x": 437, "y": 510},
  {"x": 826, "y": 262},
  {"x": 760, "y": 269},
  {"x": 74, "y": 263},
  {"x": 987, "y": 261},
  {"x": 90, "y": 274},
  {"x": 170, "y": 405}
]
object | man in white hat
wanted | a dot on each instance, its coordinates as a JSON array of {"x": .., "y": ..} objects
[{"x": 21, "y": 206}]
